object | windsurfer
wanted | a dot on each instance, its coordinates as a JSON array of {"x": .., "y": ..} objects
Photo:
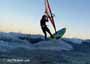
[{"x": 44, "y": 27}]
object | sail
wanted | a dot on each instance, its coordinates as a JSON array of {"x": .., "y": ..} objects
[{"x": 49, "y": 13}]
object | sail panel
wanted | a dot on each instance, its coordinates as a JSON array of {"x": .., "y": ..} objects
[{"x": 49, "y": 13}]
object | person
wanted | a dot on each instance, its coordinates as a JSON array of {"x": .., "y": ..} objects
[{"x": 44, "y": 27}]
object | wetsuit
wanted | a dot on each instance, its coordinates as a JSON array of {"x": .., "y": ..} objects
[{"x": 44, "y": 26}]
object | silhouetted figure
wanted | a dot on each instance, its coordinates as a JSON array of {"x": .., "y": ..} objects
[{"x": 44, "y": 26}]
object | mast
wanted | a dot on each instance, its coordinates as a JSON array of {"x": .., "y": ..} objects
[{"x": 48, "y": 12}]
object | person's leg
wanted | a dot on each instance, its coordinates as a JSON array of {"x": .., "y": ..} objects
[
  {"x": 45, "y": 35},
  {"x": 44, "y": 31},
  {"x": 49, "y": 32}
]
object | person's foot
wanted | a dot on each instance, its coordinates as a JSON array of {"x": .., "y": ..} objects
[
  {"x": 46, "y": 38},
  {"x": 52, "y": 37}
]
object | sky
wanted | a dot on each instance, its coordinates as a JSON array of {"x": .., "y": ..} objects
[{"x": 24, "y": 16}]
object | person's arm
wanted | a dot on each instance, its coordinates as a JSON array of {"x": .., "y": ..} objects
[{"x": 46, "y": 19}]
